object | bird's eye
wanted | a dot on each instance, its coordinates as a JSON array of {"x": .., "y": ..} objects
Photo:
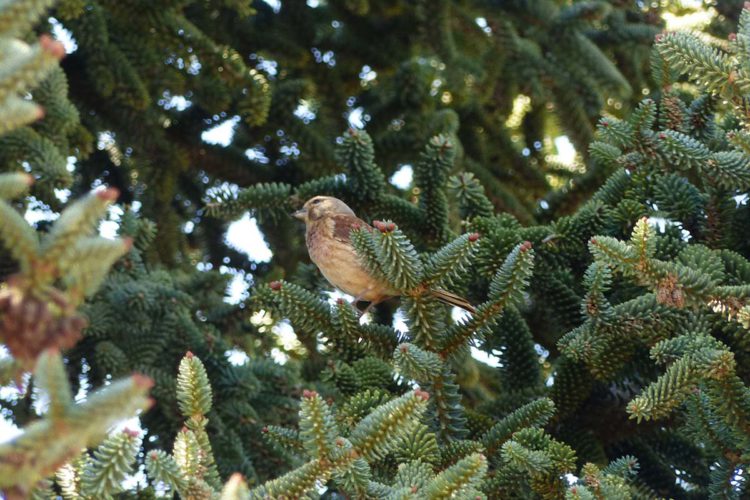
[{"x": 315, "y": 202}]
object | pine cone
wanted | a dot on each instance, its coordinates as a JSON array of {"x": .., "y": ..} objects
[{"x": 31, "y": 324}]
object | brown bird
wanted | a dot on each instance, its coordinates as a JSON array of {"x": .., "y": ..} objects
[{"x": 328, "y": 223}]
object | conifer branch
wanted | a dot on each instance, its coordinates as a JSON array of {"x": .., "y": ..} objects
[
  {"x": 377, "y": 433},
  {"x": 317, "y": 428},
  {"x": 534, "y": 414},
  {"x": 506, "y": 288},
  {"x": 112, "y": 462},
  {"x": 51, "y": 441},
  {"x": 463, "y": 478}
]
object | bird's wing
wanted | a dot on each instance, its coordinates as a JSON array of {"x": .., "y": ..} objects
[{"x": 343, "y": 225}]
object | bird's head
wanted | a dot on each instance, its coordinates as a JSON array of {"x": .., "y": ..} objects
[{"x": 320, "y": 206}]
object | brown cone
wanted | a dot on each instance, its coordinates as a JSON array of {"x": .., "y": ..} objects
[{"x": 28, "y": 325}]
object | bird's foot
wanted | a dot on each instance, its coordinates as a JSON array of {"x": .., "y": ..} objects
[
  {"x": 369, "y": 306},
  {"x": 356, "y": 301}
]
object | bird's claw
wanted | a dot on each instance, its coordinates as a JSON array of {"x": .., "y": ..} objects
[{"x": 369, "y": 306}]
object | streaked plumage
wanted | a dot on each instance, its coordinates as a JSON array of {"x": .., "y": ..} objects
[{"x": 328, "y": 223}]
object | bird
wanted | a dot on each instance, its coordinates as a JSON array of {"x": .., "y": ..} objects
[{"x": 328, "y": 224}]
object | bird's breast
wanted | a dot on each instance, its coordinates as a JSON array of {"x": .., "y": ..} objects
[{"x": 341, "y": 267}]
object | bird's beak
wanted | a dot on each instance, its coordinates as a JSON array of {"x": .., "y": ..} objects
[{"x": 300, "y": 214}]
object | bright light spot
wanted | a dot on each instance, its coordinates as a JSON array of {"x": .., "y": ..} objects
[
  {"x": 658, "y": 222},
  {"x": 335, "y": 295},
  {"x": 194, "y": 65},
  {"x": 571, "y": 479},
  {"x": 131, "y": 424},
  {"x": 221, "y": 134},
  {"x": 694, "y": 21},
  {"x": 268, "y": 66},
  {"x": 328, "y": 57},
  {"x": 257, "y": 155},
  {"x": 521, "y": 105},
  {"x": 355, "y": 118},
  {"x": 566, "y": 153},
  {"x": 237, "y": 357},
  {"x": 62, "y": 194},
  {"x": 399, "y": 322},
  {"x": 136, "y": 481},
  {"x": 8, "y": 430},
  {"x": 287, "y": 338},
  {"x": 290, "y": 150},
  {"x": 37, "y": 212},
  {"x": 482, "y": 23},
  {"x": 278, "y": 356},
  {"x": 458, "y": 315},
  {"x": 63, "y": 35},
  {"x": 661, "y": 224},
  {"x": 314, "y": 4},
  {"x": 435, "y": 85},
  {"x": 237, "y": 289},
  {"x": 274, "y": 4},
  {"x": 403, "y": 177},
  {"x": 178, "y": 102},
  {"x": 484, "y": 357},
  {"x": 541, "y": 351},
  {"x": 105, "y": 140},
  {"x": 108, "y": 228},
  {"x": 304, "y": 112},
  {"x": 245, "y": 236},
  {"x": 367, "y": 74},
  {"x": 262, "y": 320}
]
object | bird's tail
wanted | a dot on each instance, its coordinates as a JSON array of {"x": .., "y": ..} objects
[{"x": 452, "y": 299}]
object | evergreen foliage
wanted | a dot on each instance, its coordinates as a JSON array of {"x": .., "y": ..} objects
[
  {"x": 189, "y": 470},
  {"x": 39, "y": 302},
  {"x": 612, "y": 293},
  {"x": 68, "y": 427}
]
